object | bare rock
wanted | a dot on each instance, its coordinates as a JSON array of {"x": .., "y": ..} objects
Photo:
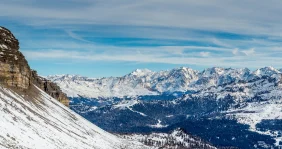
[
  {"x": 15, "y": 71},
  {"x": 50, "y": 88}
]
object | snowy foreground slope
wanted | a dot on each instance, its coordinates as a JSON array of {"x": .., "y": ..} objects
[{"x": 41, "y": 122}]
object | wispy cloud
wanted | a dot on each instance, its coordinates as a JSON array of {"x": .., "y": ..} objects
[
  {"x": 201, "y": 33},
  {"x": 205, "y": 54},
  {"x": 249, "y": 52},
  {"x": 232, "y": 16},
  {"x": 235, "y": 51},
  {"x": 157, "y": 55}
]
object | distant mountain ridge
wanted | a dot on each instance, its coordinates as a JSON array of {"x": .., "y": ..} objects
[
  {"x": 147, "y": 82},
  {"x": 248, "y": 103}
]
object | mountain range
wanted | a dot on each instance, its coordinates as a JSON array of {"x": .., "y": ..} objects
[
  {"x": 144, "y": 101},
  {"x": 147, "y": 82}
]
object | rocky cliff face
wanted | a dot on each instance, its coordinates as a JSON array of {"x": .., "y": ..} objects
[
  {"x": 15, "y": 71},
  {"x": 50, "y": 88}
]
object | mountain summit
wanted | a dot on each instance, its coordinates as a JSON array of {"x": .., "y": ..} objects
[{"x": 146, "y": 82}]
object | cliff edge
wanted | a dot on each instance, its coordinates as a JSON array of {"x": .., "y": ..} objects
[{"x": 16, "y": 73}]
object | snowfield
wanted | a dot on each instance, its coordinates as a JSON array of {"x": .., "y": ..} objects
[
  {"x": 43, "y": 122},
  {"x": 254, "y": 113}
]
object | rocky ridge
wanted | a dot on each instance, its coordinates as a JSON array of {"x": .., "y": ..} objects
[
  {"x": 146, "y": 82},
  {"x": 14, "y": 69},
  {"x": 16, "y": 73},
  {"x": 50, "y": 88}
]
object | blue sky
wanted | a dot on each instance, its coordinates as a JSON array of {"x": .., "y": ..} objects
[{"x": 99, "y": 38}]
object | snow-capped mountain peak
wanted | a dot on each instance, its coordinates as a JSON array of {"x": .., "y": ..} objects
[
  {"x": 213, "y": 71},
  {"x": 185, "y": 72},
  {"x": 147, "y": 82},
  {"x": 218, "y": 71},
  {"x": 139, "y": 82},
  {"x": 68, "y": 77},
  {"x": 141, "y": 72},
  {"x": 266, "y": 71}
]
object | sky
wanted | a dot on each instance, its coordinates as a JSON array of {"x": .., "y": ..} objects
[{"x": 102, "y": 38}]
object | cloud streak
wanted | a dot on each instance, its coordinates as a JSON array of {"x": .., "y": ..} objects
[
  {"x": 186, "y": 32},
  {"x": 157, "y": 55},
  {"x": 216, "y": 15}
]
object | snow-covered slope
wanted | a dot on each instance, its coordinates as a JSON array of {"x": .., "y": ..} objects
[
  {"x": 176, "y": 139},
  {"x": 38, "y": 121},
  {"x": 254, "y": 113}
]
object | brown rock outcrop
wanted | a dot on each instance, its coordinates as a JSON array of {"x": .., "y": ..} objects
[
  {"x": 14, "y": 69},
  {"x": 16, "y": 73},
  {"x": 50, "y": 88}
]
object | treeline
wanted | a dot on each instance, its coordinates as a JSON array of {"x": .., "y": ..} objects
[{"x": 175, "y": 140}]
